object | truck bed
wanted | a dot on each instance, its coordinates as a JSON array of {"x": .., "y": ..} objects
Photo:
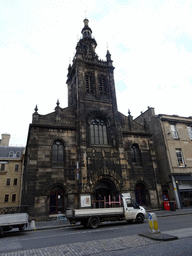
[
  {"x": 13, "y": 219},
  {"x": 80, "y": 213}
]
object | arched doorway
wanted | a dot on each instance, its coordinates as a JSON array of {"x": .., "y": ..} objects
[
  {"x": 141, "y": 194},
  {"x": 105, "y": 188},
  {"x": 56, "y": 200}
]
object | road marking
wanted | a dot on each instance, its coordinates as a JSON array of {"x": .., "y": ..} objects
[{"x": 68, "y": 234}]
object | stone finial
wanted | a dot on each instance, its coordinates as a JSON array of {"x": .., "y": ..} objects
[
  {"x": 130, "y": 119},
  {"x": 57, "y": 103},
  {"x": 69, "y": 68},
  {"x": 108, "y": 56},
  {"x": 36, "y": 109},
  {"x": 35, "y": 115},
  {"x": 78, "y": 48}
]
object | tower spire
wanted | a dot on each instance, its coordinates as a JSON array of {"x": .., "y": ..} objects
[
  {"x": 86, "y": 46},
  {"x": 86, "y": 31}
]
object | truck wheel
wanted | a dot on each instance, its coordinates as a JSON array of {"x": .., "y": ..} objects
[
  {"x": 94, "y": 223},
  {"x": 1, "y": 232},
  {"x": 139, "y": 218}
]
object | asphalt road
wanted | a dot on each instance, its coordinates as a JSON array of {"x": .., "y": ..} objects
[{"x": 16, "y": 241}]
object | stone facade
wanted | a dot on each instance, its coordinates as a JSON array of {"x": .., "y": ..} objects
[
  {"x": 88, "y": 148},
  {"x": 172, "y": 136},
  {"x": 11, "y": 159}
]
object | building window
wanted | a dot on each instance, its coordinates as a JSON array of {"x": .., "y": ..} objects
[
  {"x": 98, "y": 132},
  {"x": 16, "y": 168},
  {"x": 13, "y": 197},
  {"x": 174, "y": 131},
  {"x": 6, "y": 198},
  {"x": 2, "y": 167},
  {"x": 15, "y": 182},
  {"x": 18, "y": 154},
  {"x": 89, "y": 83},
  {"x": 11, "y": 154},
  {"x": 102, "y": 85},
  {"x": 58, "y": 152},
  {"x": 8, "y": 182},
  {"x": 180, "y": 158},
  {"x": 135, "y": 154},
  {"x": 190, "y": 132}
]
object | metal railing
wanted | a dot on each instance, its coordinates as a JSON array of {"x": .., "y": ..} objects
[{"x": 107, "y": 203}]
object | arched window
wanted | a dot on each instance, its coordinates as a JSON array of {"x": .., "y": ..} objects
[
  {"x": 89, "y": 83},
  {"x": 58, "y": 152},
  {"x": 18, "y": 154},
  {"x": 11, "y": 154},
  {"x": 98, "y": 132},
  {"x": 102, "y": 85},
  {"x": 135, "y": 154}
]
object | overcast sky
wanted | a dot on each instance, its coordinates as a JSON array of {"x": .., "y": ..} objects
[{"x": 150, "y": 44}]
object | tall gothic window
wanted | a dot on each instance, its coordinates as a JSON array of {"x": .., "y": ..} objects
[
  {"x": 89, "y": 83},
  {"x": 135, "y": 154},
  {"x": 98, "y": 132},
  {"x": 102, "y": 85},
  {"x": 58, "y": 152}
]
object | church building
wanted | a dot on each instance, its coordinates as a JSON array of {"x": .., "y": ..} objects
[{"x": 89, "y": 150}]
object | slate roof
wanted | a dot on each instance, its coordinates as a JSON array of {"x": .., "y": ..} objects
[{"x": 5, "y": 152}]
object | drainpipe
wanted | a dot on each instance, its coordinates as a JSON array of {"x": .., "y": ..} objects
[{"x": 176, "y": 192}]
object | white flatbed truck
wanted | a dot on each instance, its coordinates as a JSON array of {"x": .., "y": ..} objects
[
  {"x": 130, "y": 211},
  {"x": 16, "y": 220}
]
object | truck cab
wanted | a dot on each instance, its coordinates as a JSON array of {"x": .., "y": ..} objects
[{"x": 133, "y": 211}]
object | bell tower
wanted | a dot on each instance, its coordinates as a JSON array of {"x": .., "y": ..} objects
[
  {"x": 89, "y": 78},
  {"x": 91, "y": 91}
]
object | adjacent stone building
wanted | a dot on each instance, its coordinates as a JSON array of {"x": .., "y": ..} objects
[
  {"x": 173, "y": 145},
  {"x": 88, "y": 150},
  {"x": 11, "y": 159}
]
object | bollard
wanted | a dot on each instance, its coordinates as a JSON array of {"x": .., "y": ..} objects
[
  {"x": 153, "y": 224},
  {"x": 32, "y": 225}
]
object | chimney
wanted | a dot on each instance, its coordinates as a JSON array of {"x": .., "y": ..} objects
[{"x": 4, "y": 142}]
